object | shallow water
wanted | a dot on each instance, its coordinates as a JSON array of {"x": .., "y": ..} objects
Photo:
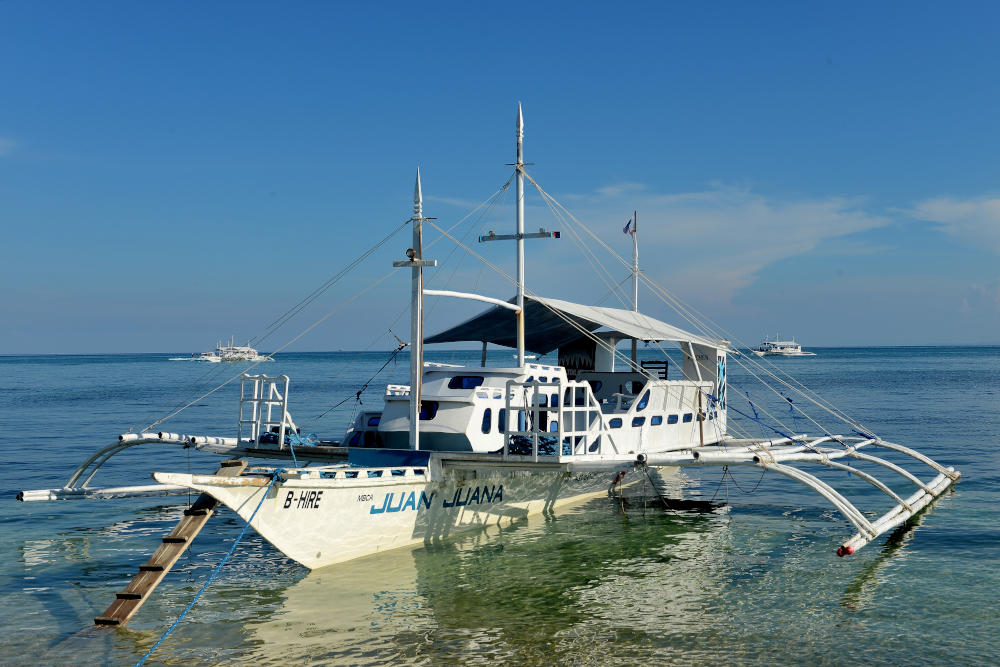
[{"x": 754, "y": 582}]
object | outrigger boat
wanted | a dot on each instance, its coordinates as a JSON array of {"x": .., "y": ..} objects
[
  {"x": 460, "y": 447},
  {"x": 231, "y": 353},
  {"x": 786, "y": 348}
]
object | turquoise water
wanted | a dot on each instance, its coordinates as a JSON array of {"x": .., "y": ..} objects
[{"x": 753, "y": 582}]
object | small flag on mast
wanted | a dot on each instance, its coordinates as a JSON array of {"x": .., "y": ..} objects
[{"x": 628, "y": 226}]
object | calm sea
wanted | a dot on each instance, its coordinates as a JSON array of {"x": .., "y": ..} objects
[{"x": 754, "y": 581}]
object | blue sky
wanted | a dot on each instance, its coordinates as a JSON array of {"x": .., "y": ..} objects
[{"x": 175, "y": 173}]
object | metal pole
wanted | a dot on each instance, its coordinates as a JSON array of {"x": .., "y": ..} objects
[
  {"x": 520, "y": 239},
  {"x": 484, "y": 355},
  {"x": 635, "y": 261},
  {"x": 416, "y": 318},
  {"x": 635, "y": 284}
]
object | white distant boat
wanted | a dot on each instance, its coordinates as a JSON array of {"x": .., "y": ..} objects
[
  {"x": 229, "y": 353},
  {"x": 786, "y": 348}
]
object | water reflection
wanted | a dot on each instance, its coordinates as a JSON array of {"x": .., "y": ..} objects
[
  {"x": 541, "y": 588},
  {"x": 861, "y": 593}
]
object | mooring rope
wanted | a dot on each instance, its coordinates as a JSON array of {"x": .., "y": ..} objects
[{"x": 212, "y": 576}]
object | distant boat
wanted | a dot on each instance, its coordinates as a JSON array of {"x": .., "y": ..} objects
[
  {"x": 229, "y": 353},
  {"x": 785, "y": 348}
]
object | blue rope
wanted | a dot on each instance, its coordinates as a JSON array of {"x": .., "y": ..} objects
[
  {"x": 756, "y": 416},
  {"x": 210, "y": 578},
  {"x": 293, "y": 438}
]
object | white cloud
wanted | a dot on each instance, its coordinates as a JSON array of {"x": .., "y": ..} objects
[
  {"x": 976, "y": 220},
  {"x": 619, "y": 189},
  {"x": 982, "y": 299},
  {"x": 7, "y": 146},
  {"x": 712, "y": 243}
]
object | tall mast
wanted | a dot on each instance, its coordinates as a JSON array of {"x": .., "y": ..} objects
[
  {"x": 635, "y": 283},
  {"x": 416, "y": 316},
  {"x": 635, "y": 261},
  {"x": 520, "y": 239}
]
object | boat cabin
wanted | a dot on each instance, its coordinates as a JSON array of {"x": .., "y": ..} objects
[{"x": 611, "y": 399}]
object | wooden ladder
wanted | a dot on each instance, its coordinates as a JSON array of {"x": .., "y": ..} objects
[{"x": 151, "y": 573}]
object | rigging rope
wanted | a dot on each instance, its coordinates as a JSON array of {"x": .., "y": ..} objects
[{"x": 212, "y": 576}]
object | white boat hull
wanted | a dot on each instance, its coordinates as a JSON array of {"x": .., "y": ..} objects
[{"x": 319, "y": 522}]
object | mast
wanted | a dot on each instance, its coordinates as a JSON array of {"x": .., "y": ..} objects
[
  {"x": 415, "y": 261},
  {"x": 416, "y": 316},
  {"x": 635, "y": 283},
  {"x": 520, "y": 239},
  {"x": 635, "y": 261}
]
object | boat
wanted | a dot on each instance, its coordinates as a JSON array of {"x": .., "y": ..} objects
[
  {"x": 460, "y": 448},
  {"x": 786, "y": 348},
  {"x": 230, "y": 353}
]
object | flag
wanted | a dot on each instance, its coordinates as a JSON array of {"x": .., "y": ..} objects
[{"x": 627, "y": 226}]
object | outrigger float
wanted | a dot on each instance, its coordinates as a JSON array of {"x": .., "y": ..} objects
[{"x": 463, "y": 447}]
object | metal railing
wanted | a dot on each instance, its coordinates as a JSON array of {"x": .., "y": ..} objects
[{"x": 554, "y": 421}]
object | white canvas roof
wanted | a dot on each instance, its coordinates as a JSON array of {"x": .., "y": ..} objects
[{"x": 546, "y": 326}]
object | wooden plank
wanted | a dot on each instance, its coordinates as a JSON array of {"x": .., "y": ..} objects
[{"x": 152, "y": 572}]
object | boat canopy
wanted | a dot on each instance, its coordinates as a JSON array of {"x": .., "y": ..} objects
[{"x": 550, "y": 323}]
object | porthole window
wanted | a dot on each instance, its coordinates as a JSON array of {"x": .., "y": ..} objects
[
  {"x": 502, "y": 420},
  {"x": 688, "y": 417},
  {"x": 655, "y": 421},
  {"x": 487, "y": 420},
  {"x": 615, "y": 423},
  {"x": 638, "y": 421},
  {"x": 672, "y": 419},
  {"x": 465, "y": 382},
  {"x": 373, "y": 421}
]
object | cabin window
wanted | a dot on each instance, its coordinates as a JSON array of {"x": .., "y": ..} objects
[
  {"x": 687, "y": 417},
  {"x": 638, "y": 421},
  {"x": 487, "y": 420},
  {"x": 531, "y": 378},
  {"x": 672, "y": 419},
  {"x": 615, "y": 423},
  {"x": 355, "y": 439},
  {"x": 634, "y": 386},
  {"x": 595, "y": 385},
  {"x": 555, "y": 401},
  {"x": 568, "y": 397},
  {"x": 521, "y": 423},
  {"x": 655, "y": 421},
  {"x": 428, "y": 410},
  {"x": 553, "y": 427},
  {"x": 543, "y": 400},
  {"x": 465, "y": 382},
  {"x": 643, "y": 402},
  {"x": 370, "y": 438},
  {"x": 502, "y": 420},
  {"x": 543, "y": 379},
  {"x": 373, "y": 421}
]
